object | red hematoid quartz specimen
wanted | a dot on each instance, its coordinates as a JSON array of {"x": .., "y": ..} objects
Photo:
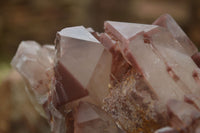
[{"x": 133, "y": 78}]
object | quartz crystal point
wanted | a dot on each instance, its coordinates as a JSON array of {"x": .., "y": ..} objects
[
  {"x": 126, "y": 31},
  {"x": 35, "y": 64},
  {"x": 82, "y": 66},
  {"x": 169, "y": 23},
  {"x": 91, "y": 119}
]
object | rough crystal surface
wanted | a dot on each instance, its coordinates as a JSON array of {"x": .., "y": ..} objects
[{"x": 90, "y": 118}]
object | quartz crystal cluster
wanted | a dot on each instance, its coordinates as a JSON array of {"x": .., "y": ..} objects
[{"x": 133, "y": 78}]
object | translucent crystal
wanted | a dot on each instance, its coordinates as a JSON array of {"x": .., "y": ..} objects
[
  {"x": 168, "y": 22},
  {"x": 182, "y": 114},
  {"x": 99, "y": 82},
  {"x": 180, "y": 65},
  {"x": 91, "y": 119},
  {"x": 35, "y": 64},
  {"x": 79, "y": 60},
  {"x": 125, "y": 32}
]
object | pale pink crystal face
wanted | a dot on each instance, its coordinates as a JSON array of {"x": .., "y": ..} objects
[
  {"x": 99, "y": 82},
  {"x": 78, "y": 33},
  {"x": 85, "y": 65},
  {"x": 182, "y": 114},
  {"x": 125, "y": 32},
  {"x": 156, "y": 72},
  {"x": 181, "y": 64},
  {"x": 169, "y": 23},
  {"x": 81, "y": 53}
]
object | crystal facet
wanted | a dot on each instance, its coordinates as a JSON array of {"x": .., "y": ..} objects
[
  {"x": 82, "y": 65},
  {"x": 169, "y": 23},
  {"x": 89, "y": 118},
  {"x": 35, "y": 63}
]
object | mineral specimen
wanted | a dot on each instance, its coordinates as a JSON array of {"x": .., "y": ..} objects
[{"x": 131, "y": 78}]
